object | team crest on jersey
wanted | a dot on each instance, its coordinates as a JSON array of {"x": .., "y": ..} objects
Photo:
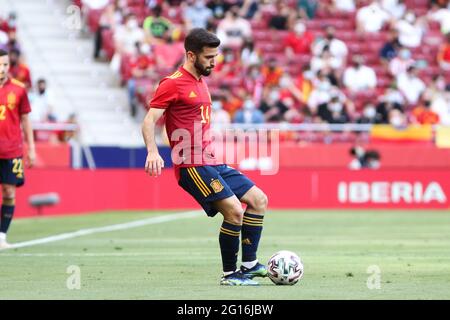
[
  {"x": 11, "y": 100},
  {"x": 192, "y": 95},
  {"x": 216, "y": 185}
]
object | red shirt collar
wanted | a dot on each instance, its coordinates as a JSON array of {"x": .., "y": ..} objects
[{"x": 190, "y": 74}]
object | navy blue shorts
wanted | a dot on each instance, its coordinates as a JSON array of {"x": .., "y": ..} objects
[
  {"x": 211, "y": 183},
  {"x": 11, "y": 172}
]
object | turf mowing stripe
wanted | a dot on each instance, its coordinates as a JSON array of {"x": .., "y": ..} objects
[{"x": 114, "y": 227}]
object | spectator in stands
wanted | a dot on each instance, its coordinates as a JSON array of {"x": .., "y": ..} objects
[
  {"x": 196, "y": 14},
  {"x": 369, "y": 115},
  {"x": 303, "y": 86},
  {"x": 390, "y": 48},
  {"x": 218, "y": 8},
  {"x": 67, "y": 135},
  {"x": 272, "y": 107},
  {"x": 371, "y": 18},
  {"x": 325, "y": 61},
  {"x": 333, "y": 111},
  {"x": 436, "y": 87},
  {"x": 249, "y": 113},
  {"x": 272, "y": 73},
  {"x": 441, "y": 15},
  {"x": 422, "y": 113},
  {"x": 308, "y": 8},
  {"x": 249, "y": 55},
  {"x": 168, "y": 53},
  {"x": 397, "y": 118},
  {"x": 19, "y": 70},
  {"x": 13, "y": 44},
  {"x": 410, "y": 30},
  {"x": 249, "y": 8},
  {"x": 322, "y": 92},
  {"x": 9, "y": 24},
  {"x": 343, "y": 5},
  {"x": 219, "y": 116},
  {"x": 441, "y": 106},
  {"x": 230, "y": 102},
  {"x": 443, "y": 56},
  {"x": 298, "y": 40},
  {"x": 233, "y": 29},
  {"x": 110, "y": 18},
  {"x": 392, "y": 99},
  {"x": 142, "y": 67},
  {"x": 401, "y": 63},
  {"x": 125, "y": 39},
  {"x": 338, "y": 49},
  {"x": 42, "y": 103},
  {"x": 358, "y": 77},
  {"x": 396, "y": 8},
  {"x": 156, "y": 26},
  {"x": 253, "y": 82},
  {"x": 369, "y": 159},
  {"x": 228, "y": 66},
  {"x": 280, "y": 19},
  {"x": 4, "y": 39},
  {"x": 410, "y": 85}
]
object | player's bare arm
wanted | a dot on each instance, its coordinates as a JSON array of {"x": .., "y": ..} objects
[
  {"x": 28, "y": 132},
  {"x": 154, "y": 163}
]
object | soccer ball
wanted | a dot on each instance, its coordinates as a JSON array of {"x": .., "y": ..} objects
[{"x": 285, "y": 268}]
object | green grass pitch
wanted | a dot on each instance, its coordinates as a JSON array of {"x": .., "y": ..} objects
[{"x": 181, "y": 259}]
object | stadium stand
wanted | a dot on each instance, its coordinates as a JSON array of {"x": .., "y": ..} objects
[{"x": 322, "y": 38}]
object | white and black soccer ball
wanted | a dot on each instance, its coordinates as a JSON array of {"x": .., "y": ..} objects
[{"x": 285, "y": 268}]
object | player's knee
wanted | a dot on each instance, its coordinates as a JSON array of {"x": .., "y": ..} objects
[
  {"x": 235, "y": 215},
  {"x": 8, "y": 192},
  {"x": 261, "y": 202}
]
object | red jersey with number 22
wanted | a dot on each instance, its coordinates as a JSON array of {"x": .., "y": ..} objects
[
  {"x": 13, "y": 103},
  {"x": 187, "y": 102}
]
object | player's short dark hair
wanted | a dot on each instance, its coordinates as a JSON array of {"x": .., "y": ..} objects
[
  {"x": 198, "y": 38},
  {"x": 3, "y": 53}
]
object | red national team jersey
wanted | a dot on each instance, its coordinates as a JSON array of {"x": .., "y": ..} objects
[
  {"x": 188, "y": 106},
  {"x": 13, "y": 103}
]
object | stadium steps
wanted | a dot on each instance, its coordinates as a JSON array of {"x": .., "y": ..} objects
[{"x": 63, "y": 56}]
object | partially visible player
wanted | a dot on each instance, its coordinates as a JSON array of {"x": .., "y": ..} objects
[
  {"x": 14, "y": 109},
  {"x": 186, "y": 102}
]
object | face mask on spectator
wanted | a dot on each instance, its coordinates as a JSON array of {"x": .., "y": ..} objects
[
  {"x": 285, "y": 82},
  {"x": 145, "y": 48},
  {"x": 132, "y": 24},
  {"x": 405, "y": 54},
  {"x": 249, "y": 105},
  {"x": 336, "y": 106},
  {"x": 324, "y": 86},
  {"x": 440, "y": 84},
  {"x": 396, "y": 121},
  {"x": 410, "y": 17},
  {"x": 299, "y": 28},
  {"x": 309, "y": 75},
  {"x": 274, "y": 96},
  {"x": 217, "y": 105},
  {"x": 370, "y": 112}
]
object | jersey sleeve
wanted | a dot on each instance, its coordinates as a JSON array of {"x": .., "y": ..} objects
[
  {"x": 165, "y": 94},
  {"x": 24, "y": 106}
]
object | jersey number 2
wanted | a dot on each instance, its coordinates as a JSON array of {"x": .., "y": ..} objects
[
  {"x": 2, "y": 112},
  {"x": 17, "y": 168},
  {"x": 205, "y": 112}
]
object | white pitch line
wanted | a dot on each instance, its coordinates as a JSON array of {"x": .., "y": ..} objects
[{"x": 114, "y": 227}]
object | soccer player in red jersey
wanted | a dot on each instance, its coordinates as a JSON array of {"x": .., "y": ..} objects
[
  {"x": 185, "y": 100},
  {"x": 14, "y": 109}
]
